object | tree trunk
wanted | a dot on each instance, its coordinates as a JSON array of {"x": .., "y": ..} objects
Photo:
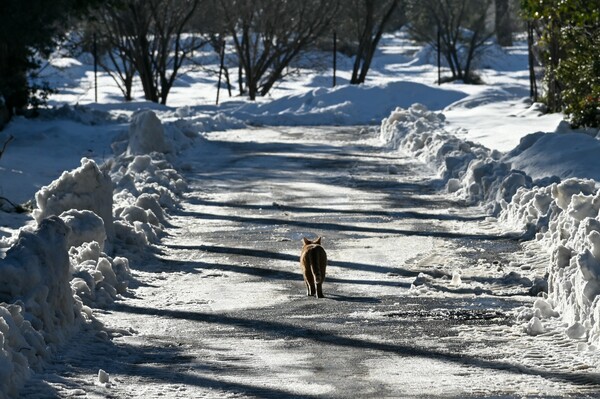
[
  {"x": 369, "y": 40},
  {"x": 4, "y": 114},
  {"x": 374, "y": 42},
  {"x": 251, "y": 85},
  {"x": 553, "y": 95},
  {"x": 533, "y": 93},
  {"x": 144, "y": 69},
  {"x": 503, "y": 23},
  {"x": 227, "y": 80},
  {"x": 128, "y": 83}
]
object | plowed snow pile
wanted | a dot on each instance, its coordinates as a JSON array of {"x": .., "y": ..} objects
[{"x": 562, "y": 214}]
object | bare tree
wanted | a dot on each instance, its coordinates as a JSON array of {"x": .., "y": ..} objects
[
  {"x": 150, "y": 36},
  {"x": 6, "y": 143},
  {"x": 108, "y": 34},
  {"x": 269, "y": 34},
  {"x": 370, "y": 18},
  {"x": 461, "y": 25}
]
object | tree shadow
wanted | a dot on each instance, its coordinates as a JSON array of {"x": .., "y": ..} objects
[
  {"x": 356, "y": 299},
  {"x": 279, "y": 330},
  {"x": 249, "y": 164},
  {"x": 164, "y": 362},
  {"x": 259, "y": 253},
  {"x": 338, "y": 227},
  {"x": 304, "y": 209},
  {"x": 198, "y": 267}
]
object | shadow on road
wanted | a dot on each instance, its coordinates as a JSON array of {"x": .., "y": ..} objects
[
  {"x": 279, "y": 330},
  {"x": 338, "y": 227},
  {"x": 260, "y": 253},
  {"x": 320, "y": 210}
]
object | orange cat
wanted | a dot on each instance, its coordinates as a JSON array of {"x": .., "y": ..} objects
[{"x": 313, "y": 261}]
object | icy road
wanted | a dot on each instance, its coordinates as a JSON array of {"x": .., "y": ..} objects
[{"x": 422, "y": 293}]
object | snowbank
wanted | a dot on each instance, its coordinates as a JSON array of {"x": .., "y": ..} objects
[
  {"x": 563, "y": 215},
  {"x": 468, "y": 169},
  {"x": 565, "y": 218},
  {"x": 54, "y": 274},
  {"x": 85, "y": 188},
  {"x": 38, "y": 310},
  {"x": 146, "y": 134},
  {"x": 559, "y": 154},
  {"x": 346, "y": 105}
]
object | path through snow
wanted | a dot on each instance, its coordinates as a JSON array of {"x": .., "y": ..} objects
[{"x": 421, "y": 291}]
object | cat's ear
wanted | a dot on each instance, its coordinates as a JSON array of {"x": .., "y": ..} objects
[
  {"x": 305, "y": 241},
  {"x": 318, "y": 241}
]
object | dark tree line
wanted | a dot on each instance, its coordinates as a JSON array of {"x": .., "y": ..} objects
[{"x": 29, "y": 31}]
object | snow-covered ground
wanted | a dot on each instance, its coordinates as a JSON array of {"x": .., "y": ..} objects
[{"x": 112, "y": 171}]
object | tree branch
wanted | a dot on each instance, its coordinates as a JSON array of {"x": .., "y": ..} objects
[{"x": 10, "y": 138}]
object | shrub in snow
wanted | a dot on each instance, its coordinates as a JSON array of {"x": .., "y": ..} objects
[
  {"x": 85, "y": 188},
  {"x": 146, "y": 134}
]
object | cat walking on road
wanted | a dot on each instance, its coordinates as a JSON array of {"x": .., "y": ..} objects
[{"x": 313, "y": 262}]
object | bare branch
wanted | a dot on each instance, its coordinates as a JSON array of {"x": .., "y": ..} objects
[{"x": 10, "y": 138}]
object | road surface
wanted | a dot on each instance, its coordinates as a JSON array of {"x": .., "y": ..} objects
[{"x": 422, "y": 292}]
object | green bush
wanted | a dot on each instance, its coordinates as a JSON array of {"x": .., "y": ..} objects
[
  {"x": 570, "y": 45},
  {"x": 579, "y": 73}
]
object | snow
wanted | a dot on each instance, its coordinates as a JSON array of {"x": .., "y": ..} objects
[
  {"x": 489, "y": 145},
  {"x": 85, "y": 188},
  {"x": 346, "y": 105},
  {"x": 554, "y": 154},
  {"x": 564, "y": 214},
  {"x": 146, "y": 134},
  {"x": 58, "y": 267},
  {"x": 38, "y": 309}
]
